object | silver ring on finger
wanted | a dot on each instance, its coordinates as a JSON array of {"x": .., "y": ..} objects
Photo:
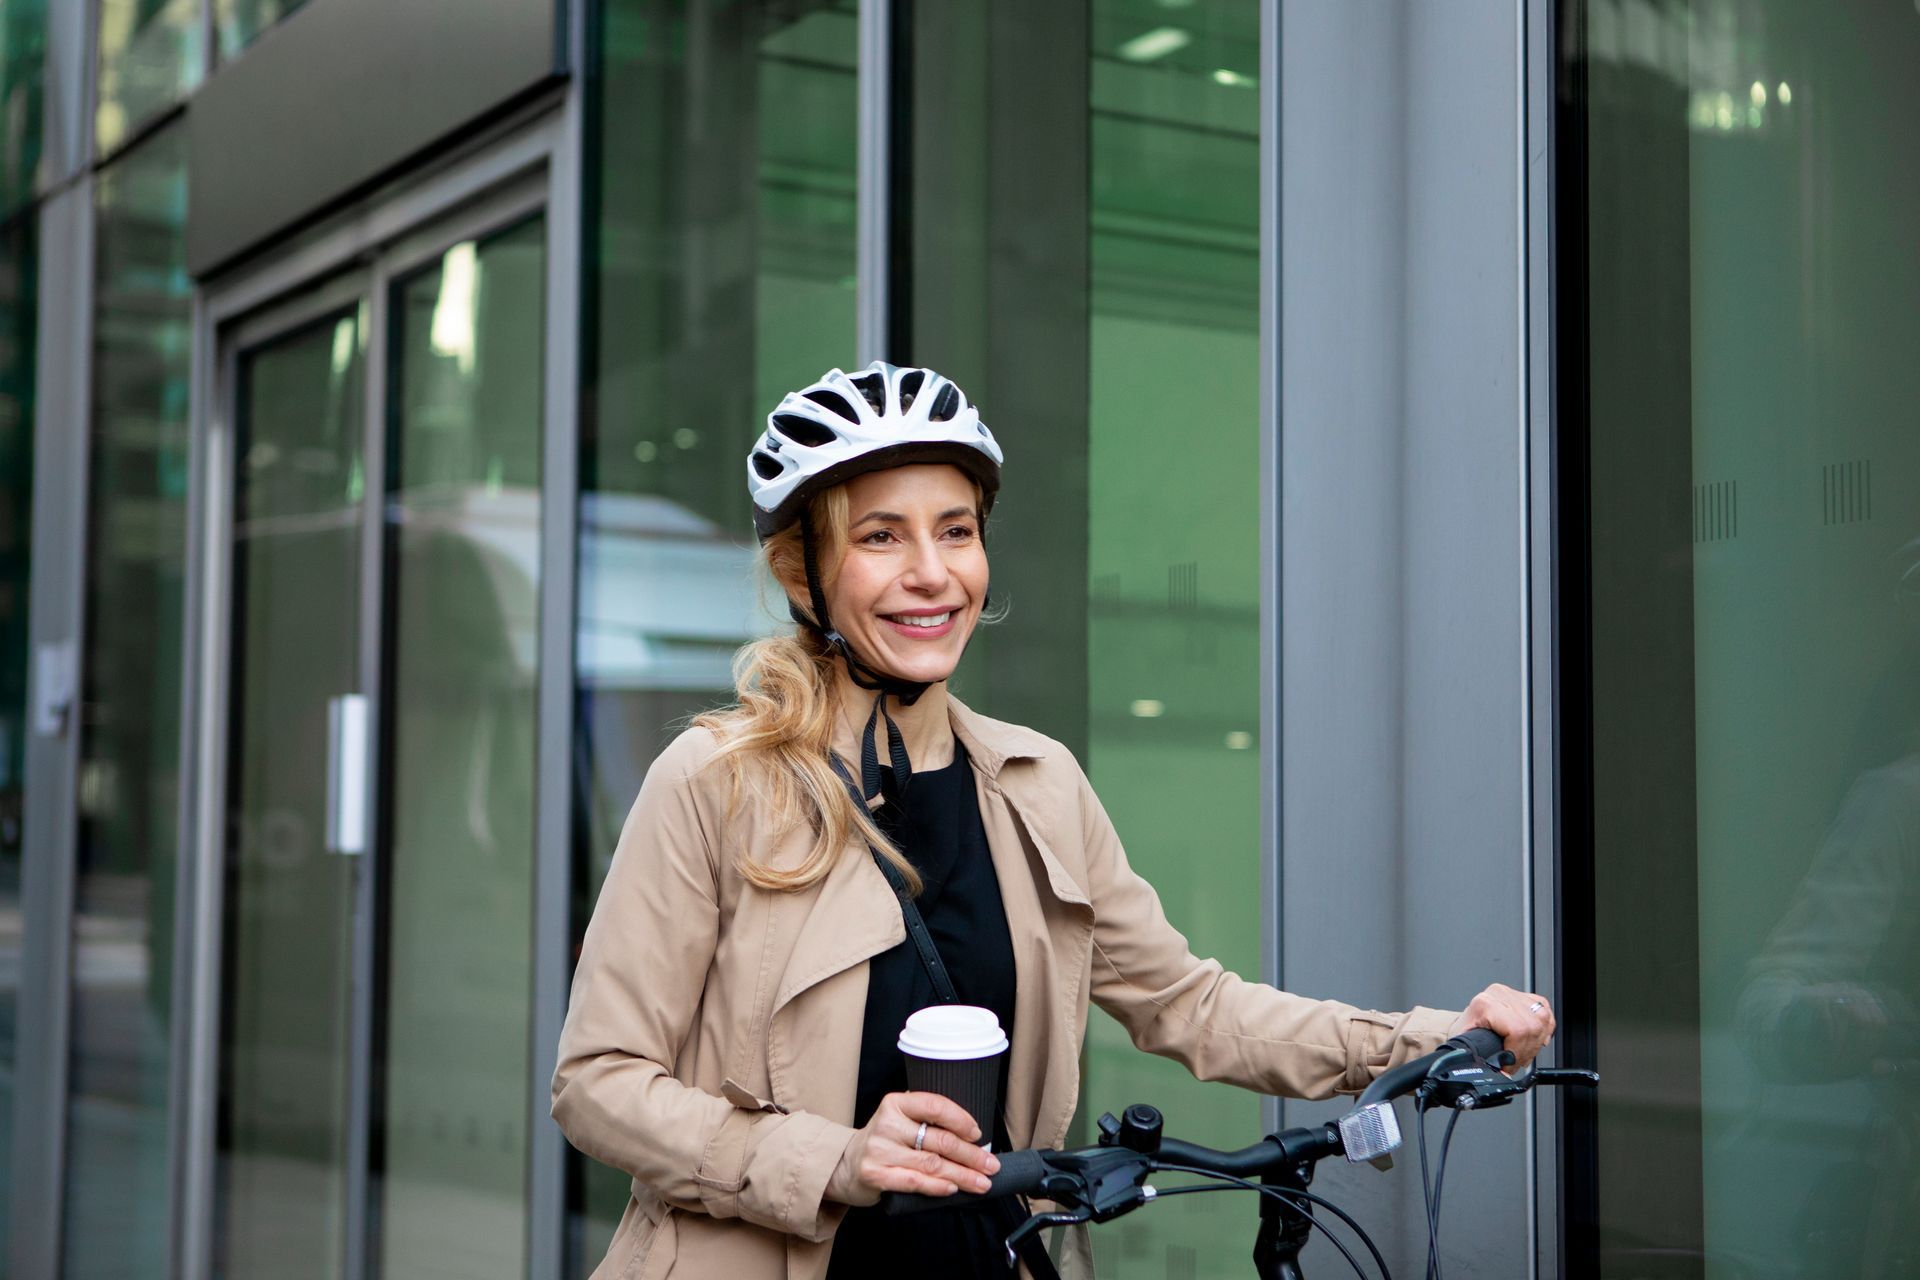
[
  {"x": 920, "y": 1138},
  {"x": 1536, "y": 1006}
]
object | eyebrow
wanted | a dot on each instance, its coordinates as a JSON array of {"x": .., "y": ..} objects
[{"x": 894, "y": 517}]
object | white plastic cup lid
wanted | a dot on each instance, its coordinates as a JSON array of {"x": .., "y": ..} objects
[{"x": 952, "y": 1033}]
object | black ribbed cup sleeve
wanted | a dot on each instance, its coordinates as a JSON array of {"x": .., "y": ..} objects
[{"x": 974, "y": 1083}]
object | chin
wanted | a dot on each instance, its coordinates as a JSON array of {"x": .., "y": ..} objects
[{"x": 925, "y": 672}]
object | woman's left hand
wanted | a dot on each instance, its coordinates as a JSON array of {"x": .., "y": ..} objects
[{"x": 1524, "y": 1020}]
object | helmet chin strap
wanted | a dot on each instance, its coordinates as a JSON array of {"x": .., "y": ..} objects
[{"x": 866, "y": 677}]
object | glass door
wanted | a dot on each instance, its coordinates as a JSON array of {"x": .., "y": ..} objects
[
  {"x": 383, "y": 587},
  {"x": 291, "y": 867}
]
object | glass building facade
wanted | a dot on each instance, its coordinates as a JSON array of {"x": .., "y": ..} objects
[{"x": 1456, "y": 512}]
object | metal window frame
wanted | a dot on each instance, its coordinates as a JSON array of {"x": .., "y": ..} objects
[
  {"x": 533, "y": 168},
  {"x": 1272, "y": 460},
  {"x": 1538, "y": 162},
  {"x": 874, "y": 190},
  {"x": 62, "y": 427},
  {"x": 63, "y": 423}
]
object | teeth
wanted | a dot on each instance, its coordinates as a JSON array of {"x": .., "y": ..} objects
[{"x": 928, "y": 620}]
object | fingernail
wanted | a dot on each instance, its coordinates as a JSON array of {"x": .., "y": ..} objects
[
  {"x": 993, "y": 1163},
  {"x": 982, "y": 1185}
]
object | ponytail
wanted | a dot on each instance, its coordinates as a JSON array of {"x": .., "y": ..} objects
[{"x": 778, "y": 737}]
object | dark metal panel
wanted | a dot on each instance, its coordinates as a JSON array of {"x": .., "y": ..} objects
[{"x": 341, "y": 93}]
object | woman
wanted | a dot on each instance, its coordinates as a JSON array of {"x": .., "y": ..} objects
[{"x": 731, "y": 1038}]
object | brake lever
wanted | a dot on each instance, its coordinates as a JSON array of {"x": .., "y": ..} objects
[
  {"x": 1037, "y": 1223},
  {"x": 1580, "y": 1076},
  {"x": 1477, "y": 1085},
  {"x": 1480, "y": 1086}
]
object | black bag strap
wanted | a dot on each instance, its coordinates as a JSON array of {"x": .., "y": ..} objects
[{"x": 916, "y": 923}]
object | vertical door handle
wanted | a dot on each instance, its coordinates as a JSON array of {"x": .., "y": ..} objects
[{"x": 347, "y": 773}]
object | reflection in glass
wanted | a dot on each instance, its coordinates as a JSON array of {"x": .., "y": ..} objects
[
  {"x": 1756, "y": 635},
  {"x": 239, "y": 21},
  {"x": 464, "y": 536},
  {"x": 149, "y": 57},
  {"x": 129, "y": 725},
  {"x": 1173, "y": 605},
  {"x": 19, "y": 302},
  {"x": 23, "y": 49},
  {"x": 282, "y": 1127},
  {"x": 1129, "y": 556},
  {"x": 698, "y": 332}
]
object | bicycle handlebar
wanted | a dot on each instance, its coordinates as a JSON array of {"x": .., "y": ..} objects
[
  {"x": 1098, "y": 1183},
  {"x": 1483, "y": 1046}
]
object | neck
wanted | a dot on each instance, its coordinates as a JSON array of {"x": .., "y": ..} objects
[{"x": 923, "y": 726}]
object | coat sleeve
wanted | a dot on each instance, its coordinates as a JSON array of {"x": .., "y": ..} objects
[
  {"x": 1217, "y": 1025},
  {"x": 643, "y": 966}
]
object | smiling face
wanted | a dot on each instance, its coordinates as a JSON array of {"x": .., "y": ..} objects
[{"x": 913, "y": 578}]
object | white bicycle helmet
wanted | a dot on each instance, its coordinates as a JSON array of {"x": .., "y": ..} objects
[{"x": 847, "y": 424}]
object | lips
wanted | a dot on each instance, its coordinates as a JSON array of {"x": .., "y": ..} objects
[{"x": 922, "y": 626}]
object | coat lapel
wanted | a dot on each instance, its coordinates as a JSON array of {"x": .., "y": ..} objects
[
  {"x": 853, "y": 916},
  {"x": 1050, "y": 917},
  {"x": 812, "y": 1063}
]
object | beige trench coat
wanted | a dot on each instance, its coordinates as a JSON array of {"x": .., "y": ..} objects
[{"x": 713, "y": 1040}]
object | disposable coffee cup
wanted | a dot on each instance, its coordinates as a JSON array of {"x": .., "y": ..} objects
[{"x": 956, "y": 1050}]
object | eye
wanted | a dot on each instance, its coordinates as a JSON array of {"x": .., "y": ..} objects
[
  {"x": 877, "y": 533},
  {"x": 960, "y": 530}
]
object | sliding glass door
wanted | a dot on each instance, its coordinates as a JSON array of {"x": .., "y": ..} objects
[{"x": 383, "y": 571}]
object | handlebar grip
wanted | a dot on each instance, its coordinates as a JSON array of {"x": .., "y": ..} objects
[
  {"x": 1482, "y": 1042},
  {"x": 1021, "y": 1173},
  {"x": 1406, "y": 1077}
]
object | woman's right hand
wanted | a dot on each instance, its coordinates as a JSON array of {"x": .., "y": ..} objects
[{"x": 881, "y": 1156}]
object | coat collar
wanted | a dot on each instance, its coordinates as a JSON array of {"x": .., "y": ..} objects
[{"x": 992, "y": 743}]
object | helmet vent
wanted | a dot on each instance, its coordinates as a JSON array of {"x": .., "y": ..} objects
[
  {"x": 804, "y": 431},
  {"x": 910, "y": 384},
  {"x": 835, "y": 403},
  {"x": 946, "y": 404},
  {"x": 874, "y": 388},
  {"x": 766, "y": 465}
]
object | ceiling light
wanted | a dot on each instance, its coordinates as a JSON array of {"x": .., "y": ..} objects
[
  {"x": 1148, "y": 708},
  {"x": 1157, "y": 43}
]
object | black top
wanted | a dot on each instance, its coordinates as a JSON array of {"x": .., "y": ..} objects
[{"x": 937, "y": 825}]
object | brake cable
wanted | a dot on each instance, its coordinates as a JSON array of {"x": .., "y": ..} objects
[{"x": 1289, "y": 1196}]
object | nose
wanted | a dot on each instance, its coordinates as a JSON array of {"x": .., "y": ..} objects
[{"x": 926, "y": 570}]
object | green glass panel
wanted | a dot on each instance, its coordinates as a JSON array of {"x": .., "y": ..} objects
[
  {"x": 722, "y": 276},
  {"x": 464, "y": 538},
  {"x": 19, "y": 328},
  {"x": 1173, "y": 617},
  {"x": 23, "y": 73},
  {"x": 282, "y": 1130},
  {"x": 117, "y": 1172},
  {"x": 149, "y": 58},
  {"x": 1754, "y": 479},
  {"x": 1128, "y": 538},
  {"x": 239, "y": 21}
]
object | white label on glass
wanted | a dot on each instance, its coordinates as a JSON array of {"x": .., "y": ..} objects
[{"x": 347, "y": 773}]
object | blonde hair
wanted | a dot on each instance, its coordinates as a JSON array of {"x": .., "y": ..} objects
[{"x": 778, "y": 737}]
